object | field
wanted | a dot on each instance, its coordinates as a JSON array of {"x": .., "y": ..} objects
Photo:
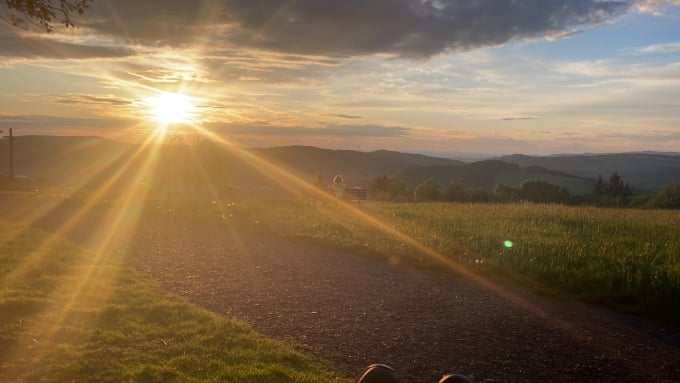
[
  {"x": 74, "y": 314},
  {"x": 628, "y": 259},
  {"x": 68, "y": 314}
]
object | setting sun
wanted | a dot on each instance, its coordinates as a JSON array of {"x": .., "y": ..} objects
[{"x": 171, "y": 108}]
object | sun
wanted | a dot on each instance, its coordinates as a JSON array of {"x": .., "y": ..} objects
[{"x": 171, "y": 108}]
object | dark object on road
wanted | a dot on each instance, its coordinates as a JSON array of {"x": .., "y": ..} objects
[
  {"x": 455, "y": 378},
  {"x": 382, "y": 373},
  {"x": 379, "y": 373}
]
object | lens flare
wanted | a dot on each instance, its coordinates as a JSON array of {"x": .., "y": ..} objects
[{"x": 508, "y": 244}]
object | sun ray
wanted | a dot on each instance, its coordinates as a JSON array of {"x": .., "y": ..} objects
[
  {"x": 292, "y": 182},
  {"x": 120, "y": 224}
]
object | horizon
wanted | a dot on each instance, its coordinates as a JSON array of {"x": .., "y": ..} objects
[
  {"x": 486, "y": 78},
  {"x": 454, "y": 155}
]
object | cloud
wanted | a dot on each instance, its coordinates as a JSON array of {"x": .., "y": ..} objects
[
  {"x": 518, "y": 118},
  {"x": 325, "y": 131},
  {"x": 26, "y": 46},
  {"x": 665, "y": 48},
  {"x": 654, "y": 6},
  {"x": 50, "y": 123},
  {"x": 653, "y": 137},
  {"x": 89, "y": 99},
  {"x": 406, "y": 28},
  {"x": 347, "y": 116}
]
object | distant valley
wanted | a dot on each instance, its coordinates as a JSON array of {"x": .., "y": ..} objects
[{"x": 73, "y": 161}]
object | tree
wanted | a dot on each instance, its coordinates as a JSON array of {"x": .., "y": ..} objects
[
  {"x": 427, "y": 191},
  {"x": 599, "y": 188},
  {"x": 42, "y": 12},
  {"x": 541, "y": 191},
  {"x": 455, "y": 192},
  {"x": 506, "y": 193},
  {"x": 616, "y": 188},
  {"x": 380, "y": 187},
  {"x": 668, "y": 197},
  {"x": 386, "y": 188}
]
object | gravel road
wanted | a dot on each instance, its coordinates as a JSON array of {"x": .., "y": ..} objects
[{"x": 352, "y": 311}]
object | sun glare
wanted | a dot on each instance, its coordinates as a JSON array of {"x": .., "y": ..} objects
[{"x": 171, "y": 108}]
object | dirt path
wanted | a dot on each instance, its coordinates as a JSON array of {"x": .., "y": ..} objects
[{"x": 353, "y": 311}]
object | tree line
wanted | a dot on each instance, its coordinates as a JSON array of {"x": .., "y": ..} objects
[{"x": 614, "y": 192}]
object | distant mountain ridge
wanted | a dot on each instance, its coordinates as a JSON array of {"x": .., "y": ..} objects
[
  {"x": 645, "y": 171},
  {"x": 71, "y": 160},
  {"x": 488, "y": 173}
]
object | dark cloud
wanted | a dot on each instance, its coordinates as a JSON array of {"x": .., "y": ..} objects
[
  {"x": 28, "y": 123},
  {"x": 347, "y": 116},
  {"x": 24, "y": 46},
  {"x": 89, "y": 99},
  {"x": 330, "y": 130},
  {"x": 408, "y": 28},
  {"x": 518, "y": 118}
]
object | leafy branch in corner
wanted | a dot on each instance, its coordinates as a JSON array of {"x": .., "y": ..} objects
[{"x": 42, "y": 12}]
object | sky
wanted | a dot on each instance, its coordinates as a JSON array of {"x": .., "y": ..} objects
[{"x": 435, "y": 76}]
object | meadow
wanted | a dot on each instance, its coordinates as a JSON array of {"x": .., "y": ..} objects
[
  {"x": 68, "y": 314},
  {"x": 71, "y": 314},
  {"x": 628, "y": 259}
]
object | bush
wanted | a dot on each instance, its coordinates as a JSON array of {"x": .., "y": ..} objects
[
  {"x": 542, "y": 191},
  {"x": 427, "y": 191},
  {"x": 667, "y": 198}
]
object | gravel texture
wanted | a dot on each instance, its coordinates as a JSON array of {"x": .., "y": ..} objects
[{"x": 351, "y": 311}]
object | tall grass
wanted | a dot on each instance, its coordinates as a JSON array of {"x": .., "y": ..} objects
[
  {"x": 627, "y": 258},
  {"x": 69, "y": 315}
]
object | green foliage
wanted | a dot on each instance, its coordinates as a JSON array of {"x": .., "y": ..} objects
[
  {"x": 614, "y": 193},
  {"x": 42, "y": 12},
  {"x": 640, "y": 201},
  {"x": 667, "y": 198},
  {"x": 456, "y": 192},
  {"x": 616, "y": 187},
  {"x": 506, "y": 193},
  {"x": 541, "y": 191},
  {"x": 599, "y": 188},
  {"x": 69, "y": 315},
  {"x": 627, "y": 258},
  {"x": 427, "y": 191},
  {"x": 384, "y": 188}
]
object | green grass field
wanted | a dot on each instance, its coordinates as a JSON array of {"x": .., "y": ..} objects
[
  {"x": 70, "y": 315},
  {"x": 626, "y": 258}
]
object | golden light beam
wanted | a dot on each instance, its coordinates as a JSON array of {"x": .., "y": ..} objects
[
  {"x": 122, "y": 224},
  {"x": 291, "y": 181}
]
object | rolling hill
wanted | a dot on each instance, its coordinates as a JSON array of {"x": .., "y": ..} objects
[
  {"x": 487, "y": 174},
  {"x": 646, "y": 172},
  {"x": 90, "y": 161}
]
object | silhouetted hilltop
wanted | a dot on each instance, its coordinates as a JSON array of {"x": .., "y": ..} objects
[
  {"x": 62, "y": 159},
  {"x": 487, "y": 174},
  {"x": 646, "y": 172},
  {"x": 91, "y": 161},
  {"x": 358, "y": 168}
]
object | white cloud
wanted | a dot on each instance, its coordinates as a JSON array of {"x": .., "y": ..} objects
[
  {"x": 655, "y": 6},
  {"x": 664, "y": 48}
]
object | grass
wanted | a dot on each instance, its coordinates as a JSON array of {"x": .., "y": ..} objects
[
  {"x": 626, "y": 258},
  {"x": 70, "y": 315}
]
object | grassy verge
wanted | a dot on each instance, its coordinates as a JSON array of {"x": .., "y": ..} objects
[
  {"x": 627, "y": 258},
  {"x": 69, "y": 315}
]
